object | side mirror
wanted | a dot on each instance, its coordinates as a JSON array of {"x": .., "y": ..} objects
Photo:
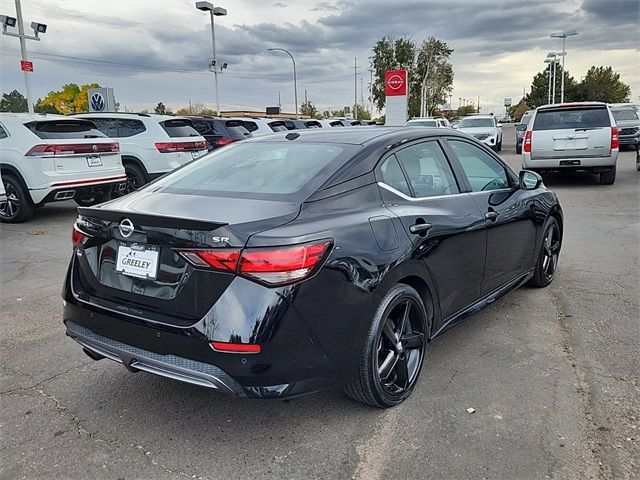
[
  {"x": 529, "y": 180},
  {"x": 521, "y": 127}
]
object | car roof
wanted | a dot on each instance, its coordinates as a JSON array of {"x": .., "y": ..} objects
[
  {"x": 477, "y": 116},
  {"x": 31, "y": 116},
  {"x": 155, "y": 116},
  {"x": 360, "y": 135},
  {"x": 572, "y": 105}
]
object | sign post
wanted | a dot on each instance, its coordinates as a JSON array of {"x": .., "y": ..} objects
[{"x": 395, "y": 89}]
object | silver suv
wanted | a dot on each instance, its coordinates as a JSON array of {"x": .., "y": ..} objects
[{"x": 572, "y": 136}]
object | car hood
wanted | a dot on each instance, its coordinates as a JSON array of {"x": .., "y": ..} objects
[{"x": 475, "y": 130}]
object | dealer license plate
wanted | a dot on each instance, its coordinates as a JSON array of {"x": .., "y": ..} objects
[
  {"x": 94, "y": 161},
  {"x": 138, "y": 260}
]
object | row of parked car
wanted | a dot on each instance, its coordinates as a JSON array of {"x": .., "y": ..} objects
[
  {"x": 89, "y": 157},
  {"x": 485, "y": 128}
]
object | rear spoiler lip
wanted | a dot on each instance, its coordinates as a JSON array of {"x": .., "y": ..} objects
[{"x": 149, "y": 220}]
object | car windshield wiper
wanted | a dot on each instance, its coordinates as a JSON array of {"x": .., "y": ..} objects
[{"x": 584, "y": 129}]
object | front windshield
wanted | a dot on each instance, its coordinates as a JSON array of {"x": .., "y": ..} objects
[
  {"x": 625, "y": 114},
  {"x": 476, "y": 122}
]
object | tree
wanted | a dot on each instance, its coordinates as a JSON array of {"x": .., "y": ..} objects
[
  {"x": 602, "y": 84},
  {"x": 40, "y": 107},
  {"x": 161, "y": 109},
  {"x": 13, "y": 102},
  {"x": 196, "y": 109},
  {"x": 539, "y": 94},
  {"x": 71, "y": 99},
  {"x": 308, "y": 109},
  {"x": 516, "y": 111},
  {"x": 363, "y": 113},
  {"x": 429, "y": 71}
]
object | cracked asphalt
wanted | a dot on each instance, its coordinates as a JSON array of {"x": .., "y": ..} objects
[{"x": 553, "y": 375}]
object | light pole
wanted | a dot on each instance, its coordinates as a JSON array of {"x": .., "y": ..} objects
[
  {"x": 548, "y": 61},
  {"x": 37, "y": 28},
  {"x": 563, "y": 36},
  {"x": 214, "y": 12},
  {"x": 554, "y": 58},
  {"x": 295, "y": 80}
]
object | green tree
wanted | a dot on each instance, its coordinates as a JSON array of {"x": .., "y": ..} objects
[
  {"x": 13, "y": 102},
  {"x": 308, "y": 109},
  {"x": 161, "y": 109},
  {"x": 539, "y": 94},
  {"x": 516, "y": 111},
  {"x": 433, "y": 77},
  {"x": 40, "y": 107},
  {"x": 363, "y": 113},
  {"x": 389, "y": 54},
  {"x": 602, "y": 84},
  {"x": 71, "y": 99}
]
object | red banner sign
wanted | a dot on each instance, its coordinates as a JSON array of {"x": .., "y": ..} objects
[
  {"x": 395, "y": 82},
  {"x": 26, "y": 66}
]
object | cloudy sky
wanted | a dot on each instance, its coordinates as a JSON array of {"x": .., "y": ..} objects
[{"x": 158, "y": 50}]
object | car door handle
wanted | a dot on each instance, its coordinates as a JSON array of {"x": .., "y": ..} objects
[
  {"x": 491, "y": 215},
  {"x": 420, "y": 227}
]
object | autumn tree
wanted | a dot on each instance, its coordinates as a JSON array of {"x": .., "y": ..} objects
[
  {"x": 161, "y": 109},
  {"x": 308, "y": 109},
  {"x": 71, "y": 99},
  {"x": 13, "y": 102},
  {"x": 602, "y": 84}
]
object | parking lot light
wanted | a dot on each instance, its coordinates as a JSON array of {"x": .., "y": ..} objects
[
  {"x": 295, "y": 81},
  {"x": 553, "y": 57},
  {"x": 213, "y": 12},
  {"x": 563, "y": 36}
]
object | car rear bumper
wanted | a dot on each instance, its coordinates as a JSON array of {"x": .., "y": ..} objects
[
  {"x": 574, "y": 163},
  {"x": 76, "y": 189},
  {"x": 629, "y": 139},
  {"x": 304, "y": 348}
]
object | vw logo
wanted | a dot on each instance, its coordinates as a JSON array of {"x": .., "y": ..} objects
[
  {"x": 126, "y": 228},
  {"x": 95, "y": 148},
  {"x": 97, "y": 102}
]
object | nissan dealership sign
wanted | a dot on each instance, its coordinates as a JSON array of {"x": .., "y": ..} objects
[{"x": 395, "y": 89}]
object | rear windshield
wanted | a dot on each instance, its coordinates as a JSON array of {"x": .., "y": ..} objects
[
  {"x": 629, "y": 114},
  {"x": 236, "y": 128},
  {"x": 422, "y": 123},
  {"x": 64, "y": 129},
  {"x": 179, "y": 128},
  {"x": 312, "y": 124},
  {"x": 526, "y": 117},
  {"x": 277, "y": 170},
  {"x": 476, "y": 122},
  {"x": 278, "y": 126},
  {"x": 571, "y": 118}
]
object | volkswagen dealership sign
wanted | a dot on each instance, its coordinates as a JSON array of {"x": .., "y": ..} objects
[{"x": 101, "y": 100}]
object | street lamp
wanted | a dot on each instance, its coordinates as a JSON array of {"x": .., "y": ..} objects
[
  {"x": 548, "y": 61},
  {"x": 553, "y": 57},
  {"x": 563, "y": 36},
  {"x": 214, "y": 12},
  {"x": 295, "y": 80},
  {"x": 11, "y": 22}
]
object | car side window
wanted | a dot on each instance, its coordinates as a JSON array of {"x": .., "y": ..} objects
[
  {"x": 129, "y": 128},
  {"x": 427, "y": 169},
  {"x": 482, "y": 170},
  {"x": 251, "y": 126},
  {"x": 204, "y": 128},
  {"x": 393, "y": 176},
  {"x": 3, "y": 132},
  {"x": 106, "y": 125}
]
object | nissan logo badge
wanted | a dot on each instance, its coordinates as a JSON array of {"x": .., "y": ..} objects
[{"x": 126, "y": 228}]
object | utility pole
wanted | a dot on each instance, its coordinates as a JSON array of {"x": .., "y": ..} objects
[
  {"x": 371, "y": 91},
  {"x": 478, "y": 103},
  {"x": 24, "y": 61},
  {"x": 305, "y": 95},
  {"x": 355, "y": 88},
  {"x": 279, "y": 101}
]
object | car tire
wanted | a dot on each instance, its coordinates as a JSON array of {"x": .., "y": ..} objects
[
  {"x": 549, "y": 254},
  {"x": 136, "y": 178},
  {"x": 608, "y": 178},
  {"x": 518, "y": 149},
  {"x": 19, "y": 206},
  {"x": 383, "y": 384},
  {"x": 499, "y": 146}
]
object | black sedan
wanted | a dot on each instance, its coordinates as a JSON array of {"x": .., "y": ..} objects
[{"x": 286, "y": 264}]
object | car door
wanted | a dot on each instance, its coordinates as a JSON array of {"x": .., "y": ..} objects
[
  {"x": 442, "y": 220},
  {"x": 511, "y": 228}
]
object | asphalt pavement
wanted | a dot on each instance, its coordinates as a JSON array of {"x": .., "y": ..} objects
[{"x": 553, "y": 376}]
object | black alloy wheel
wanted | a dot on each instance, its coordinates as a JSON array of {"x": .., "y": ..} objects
[
  {"x": 135, "y": 177},
  {"x": 549, "y": 255},
  {"x": 18, "y": 206},
  {"x": 394, "y": 350}
]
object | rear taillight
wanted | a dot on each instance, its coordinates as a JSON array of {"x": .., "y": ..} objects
[
  {"x": 526, "y": 144},
  {"x": 171, "y": 147},
  {"x": 224, "y": 141},
  {"x": 270, "y": 266},
  {"x": 615, "y": 139},
  {"x": 78, "y": 237},
  {"x": 73, "y": 149}
]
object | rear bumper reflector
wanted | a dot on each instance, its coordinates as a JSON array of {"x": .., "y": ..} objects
[{"x": 121, "y": 178}]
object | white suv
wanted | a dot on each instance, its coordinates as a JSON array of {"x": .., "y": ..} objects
[
  {"x": 484, "y": 128},
  {"x": 262, "y": 126},
  {"x": 151, "y": 145},
  {"x": 572, "y": 136},
  {"x": 45, "y": 158}
]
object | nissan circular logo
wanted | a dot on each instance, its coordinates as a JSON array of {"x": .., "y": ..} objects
[
  {"x": 97, "y": 102},
  {"x": 395, "y": 82},
  {"x": 126, "y": 228}
]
